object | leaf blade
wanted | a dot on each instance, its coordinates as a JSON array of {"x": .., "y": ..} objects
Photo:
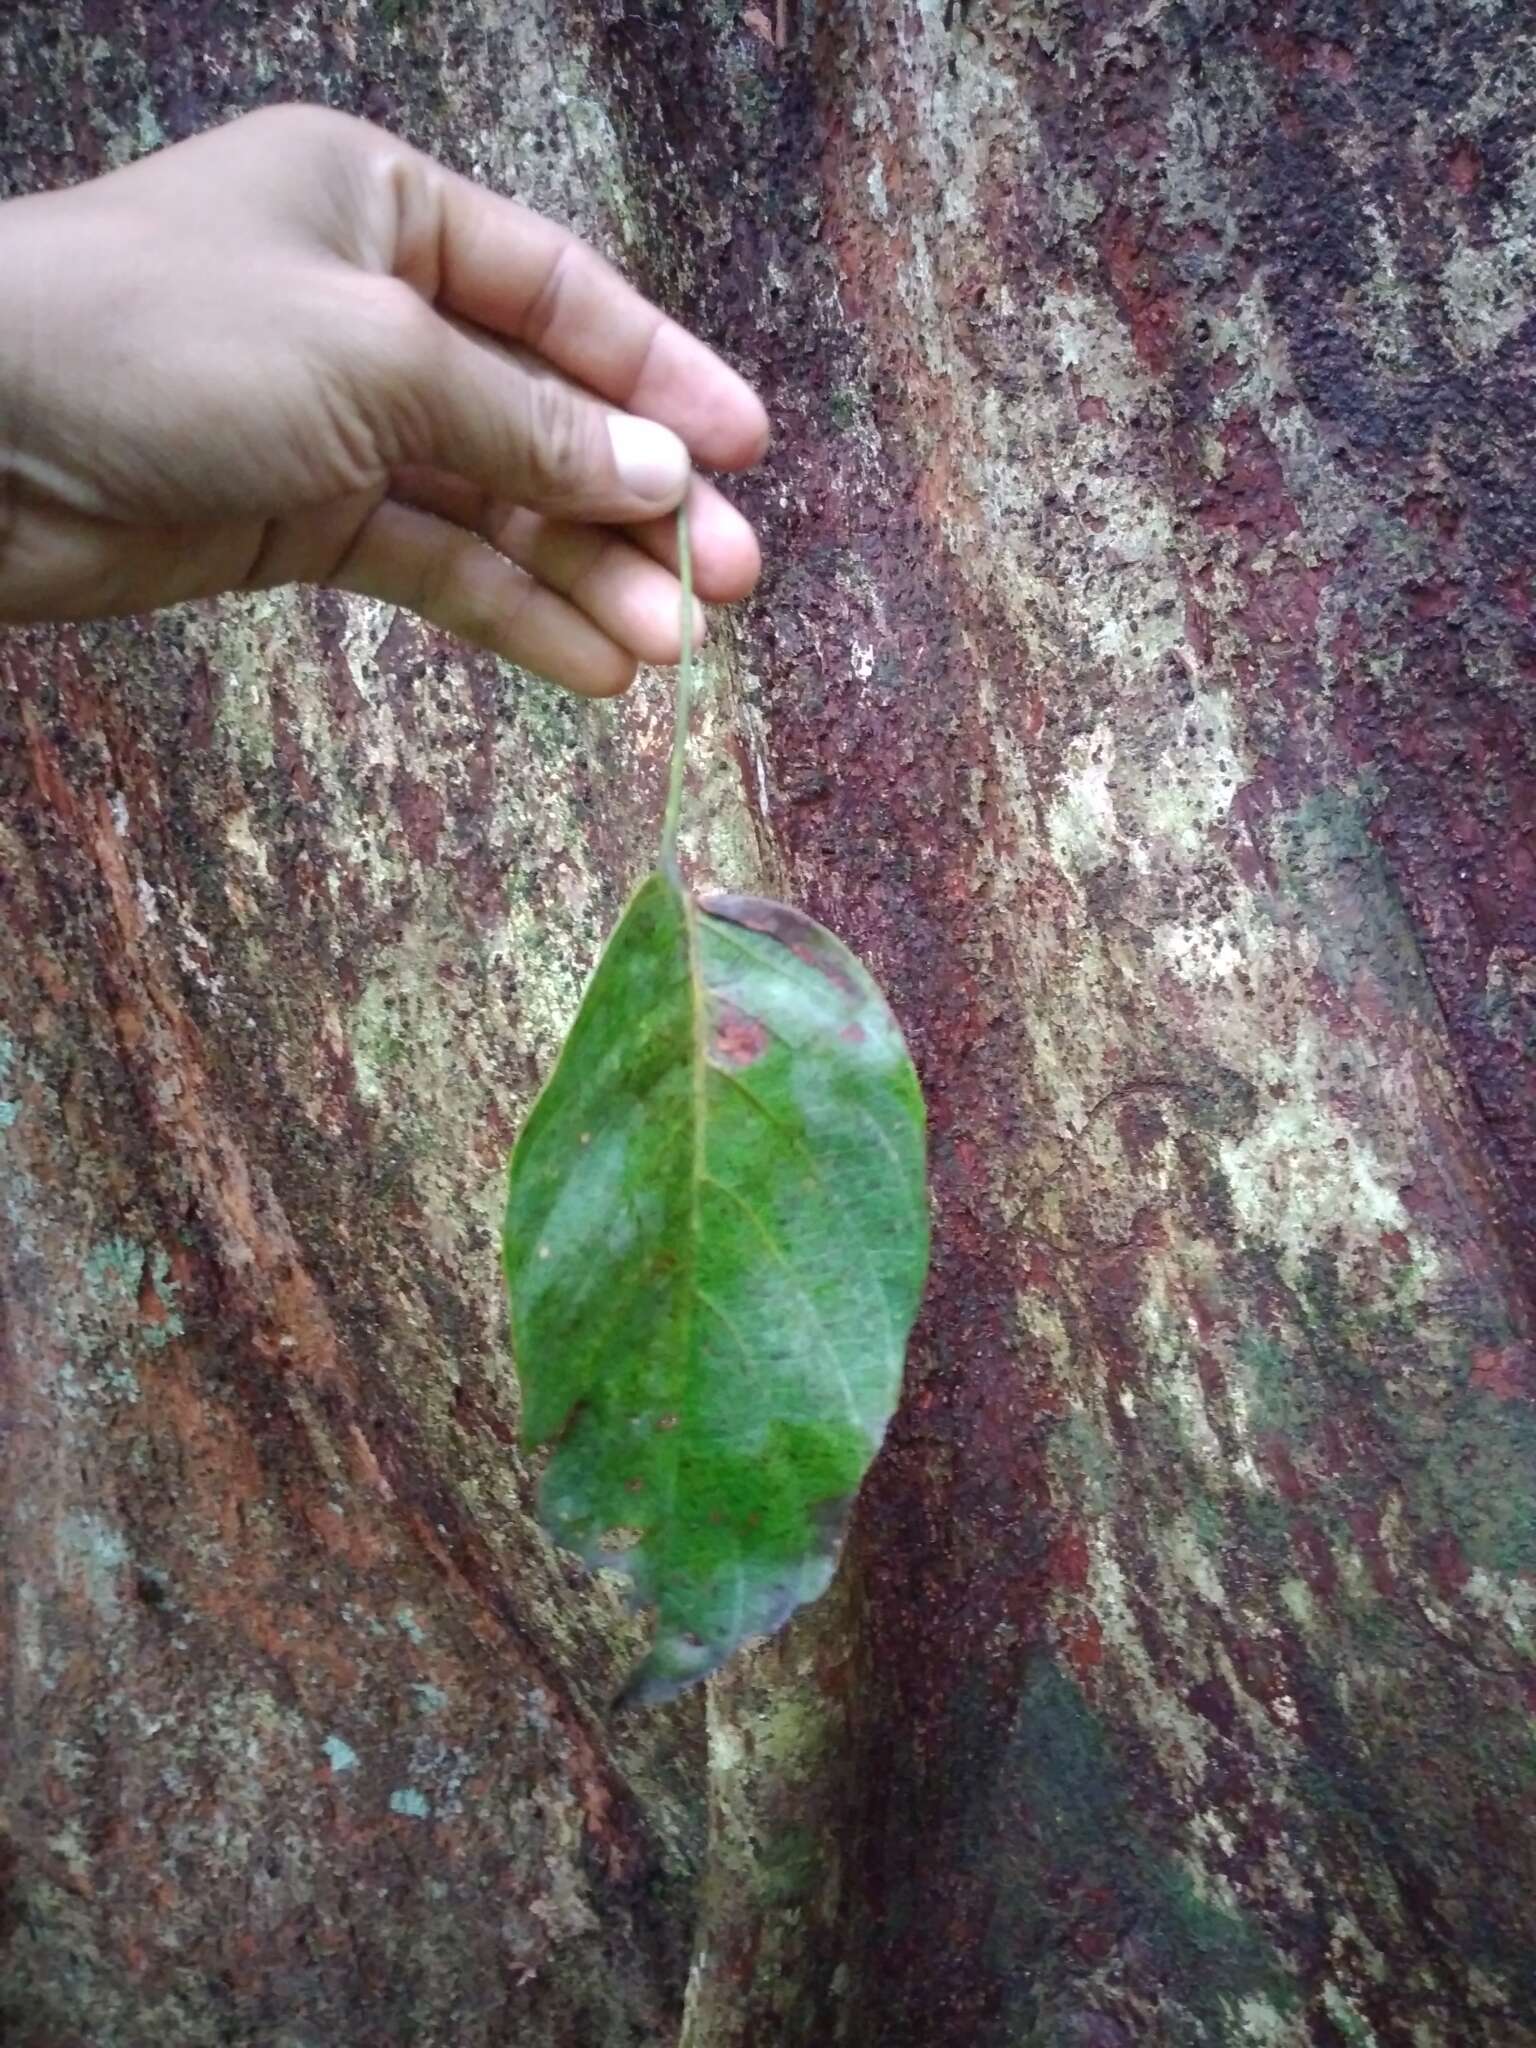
[{"x": 716, "y": 1370}]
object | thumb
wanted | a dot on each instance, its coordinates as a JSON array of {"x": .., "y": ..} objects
[{"x": 525, "y": 434}]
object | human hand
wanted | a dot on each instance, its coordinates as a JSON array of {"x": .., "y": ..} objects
[{"x": 295, "y": 350}]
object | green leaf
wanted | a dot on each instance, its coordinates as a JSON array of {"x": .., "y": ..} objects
[{"x": 716, "y": 1239}]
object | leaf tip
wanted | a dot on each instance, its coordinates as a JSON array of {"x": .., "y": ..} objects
[{"x": 675, "y": 1663}]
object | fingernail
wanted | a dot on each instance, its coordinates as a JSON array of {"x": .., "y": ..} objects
[{"x": 651, "y": 461}]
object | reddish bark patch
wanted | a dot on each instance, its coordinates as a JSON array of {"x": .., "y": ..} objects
[{"x": 1464, "y": 169}]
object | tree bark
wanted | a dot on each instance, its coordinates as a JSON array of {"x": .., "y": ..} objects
[{"x": 1144, "y": 682}]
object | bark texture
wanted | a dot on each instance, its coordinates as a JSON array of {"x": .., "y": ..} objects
[{"x": 1145, "y": 683}]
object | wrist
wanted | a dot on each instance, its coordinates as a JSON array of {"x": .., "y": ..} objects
[
  {"x": 23, "y": 303},
  {"x": 11, "y": 379}
]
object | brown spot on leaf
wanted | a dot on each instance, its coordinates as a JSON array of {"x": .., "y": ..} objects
[{"x": 737, "y": 1039}]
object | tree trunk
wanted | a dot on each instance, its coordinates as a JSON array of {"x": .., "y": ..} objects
[{"x": 1143, "y": 682}]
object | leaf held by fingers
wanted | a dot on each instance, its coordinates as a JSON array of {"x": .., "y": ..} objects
[{"x": 716, "y": 1239}]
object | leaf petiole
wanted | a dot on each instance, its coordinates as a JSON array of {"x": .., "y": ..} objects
[{"x": 673, "y": 812}]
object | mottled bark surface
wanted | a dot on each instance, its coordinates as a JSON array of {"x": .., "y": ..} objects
[{"x": 1144, "y": 682}]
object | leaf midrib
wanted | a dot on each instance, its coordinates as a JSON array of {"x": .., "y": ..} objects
[{"x": 698, "y": 1167}]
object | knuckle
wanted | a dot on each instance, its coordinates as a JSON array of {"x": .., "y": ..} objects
[
  {"x": 396, "y": 369},
  {"x": 558, "y": 441},
  {"x": 302, "y": 125},
  {"x": 478, "y": 622},
  {"x": 435, "y": 580},
  {"x": 541, "y": 315},
  {"x": 477, "y": 609}
]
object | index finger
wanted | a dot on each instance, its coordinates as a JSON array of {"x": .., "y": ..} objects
[{"x": 508, "y": 269}]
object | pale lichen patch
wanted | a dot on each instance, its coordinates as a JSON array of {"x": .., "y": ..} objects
[
  {"x": 1305, "y": 1177},
  {"x": 1488, "y": 288},
  {"x": 1194, "y": 778},
  {"x": 1080, "y": 823}
]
